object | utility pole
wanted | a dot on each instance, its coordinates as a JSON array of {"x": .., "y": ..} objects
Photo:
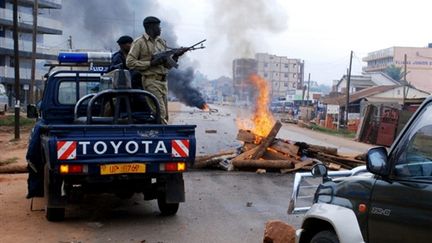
[
  {"x": 34, "y": 39},
  {"x": 70, "y": 42},
  {"x": 405, "y": 82},
  {"x": 16, "y": 66},
  {"x": 308, "y": 88},
  {"x": 348, "y": 90}
]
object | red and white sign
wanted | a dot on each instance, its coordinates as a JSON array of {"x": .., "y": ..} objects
[
  {"x": 180, "y": 148},
  {"x": 66, "y": 150}
]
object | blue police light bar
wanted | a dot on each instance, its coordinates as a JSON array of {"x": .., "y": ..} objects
[{"x": 84, "y": 57}]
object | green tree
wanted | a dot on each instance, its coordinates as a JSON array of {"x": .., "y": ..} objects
[{"x": 394, "y": 72}]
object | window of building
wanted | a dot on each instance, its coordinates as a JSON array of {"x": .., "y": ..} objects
[
  {"x": 294, "y": 75},
  {"x": 265, "y": 75},
  {"x": 286, "y": 75},
  {"x": 265, "y": 64},
  {"x": 286, "y": 84},
  {"x": 294, "y": 65},
  {"x": 286, "y": 65}
]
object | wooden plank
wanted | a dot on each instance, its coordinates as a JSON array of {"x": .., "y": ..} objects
[
  {"x": 246, "y": 136},
  {"x": 267, "y": 141},
  {"x": 200, "y": 159},
  {"x": 285, "y": 147},
  {"x": 211, "y": 162},
  {"x": 323, "y": 149},
  {"x": 263, "y": 164},
  {"x": 248, "y": 146},
  {"x": 273, "y": 154},
  {"x": 246, "y": 155},
  {"x": 333, "y": 166},
  {"x": 298, "y": 166}
]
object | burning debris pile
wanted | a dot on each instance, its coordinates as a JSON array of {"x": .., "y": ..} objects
[
  {"x": 262, "y": 151},
  {"x": 270, "y": 153}
]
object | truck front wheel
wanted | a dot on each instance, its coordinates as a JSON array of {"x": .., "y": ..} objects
[
  {"x": 325, "y": 236},
  {"x": 167, "y": 209}
]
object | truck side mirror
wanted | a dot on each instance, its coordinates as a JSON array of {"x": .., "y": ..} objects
[
  {"x": 32, "y": 111},
  {"x": 377, "y": 161}
]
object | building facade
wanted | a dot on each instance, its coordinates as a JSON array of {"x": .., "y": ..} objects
[
  {"x": 46, "y": 24},
  {"x": 285, "y": 75},
  {"x": 242, "y": 69},
  {"x": 419, "y": 63},
  {"x": 366, "y": 80}
]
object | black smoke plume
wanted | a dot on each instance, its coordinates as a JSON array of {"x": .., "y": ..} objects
[
  {"x": 179, "y": 82},
  {"x": 97, "y": 24}
]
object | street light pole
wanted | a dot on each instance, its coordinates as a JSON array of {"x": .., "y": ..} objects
[
  {"x": 16, "y": 66},
  {"x": 348, "y": 90},
  {"x": 33, "y": 65}
]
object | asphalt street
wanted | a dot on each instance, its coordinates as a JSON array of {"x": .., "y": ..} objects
[{"x": 220, "y": 206}]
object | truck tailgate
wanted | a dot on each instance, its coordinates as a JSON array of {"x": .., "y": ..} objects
[{"x": 120, "y": 143}]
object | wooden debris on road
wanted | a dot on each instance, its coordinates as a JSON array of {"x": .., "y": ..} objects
[
  {"x": 12, "y": 169},
  {"x": 209, "y": 161},
  {"x": 272, "y": 153},
  {"x": 263, "y": 164}
]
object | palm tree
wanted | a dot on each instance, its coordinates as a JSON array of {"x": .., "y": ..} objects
[{"x": 394, "y": 72}]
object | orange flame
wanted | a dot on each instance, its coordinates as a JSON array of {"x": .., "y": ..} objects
[
  {"x": 205, "y": 107},
  {"x": 262, "y": 120}
]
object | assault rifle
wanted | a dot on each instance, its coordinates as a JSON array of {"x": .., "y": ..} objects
[{"x": 169, "y": 58}]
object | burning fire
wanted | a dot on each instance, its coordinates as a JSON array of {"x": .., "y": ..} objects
[
  {"x": 262, "y": 121},
  {"x": 205, "y": 107}
]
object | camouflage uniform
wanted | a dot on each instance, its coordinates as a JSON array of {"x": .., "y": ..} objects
[{"x": 153, "y": 77}]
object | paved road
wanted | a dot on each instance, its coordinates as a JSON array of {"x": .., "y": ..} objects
[
  {"x": 225, "y": 138},
  {"x": 216, "y": 211}
]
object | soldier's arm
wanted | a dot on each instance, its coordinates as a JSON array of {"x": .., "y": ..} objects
[
  {"x": 116, "y": 62},
  {"x": 132, "y": 59}
]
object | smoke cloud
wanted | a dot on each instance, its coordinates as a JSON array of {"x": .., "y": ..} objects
[
  {"x": 180, "y": 84},
  {"x": 243, "y": 25},
  {"x": 97, "y": 24}
]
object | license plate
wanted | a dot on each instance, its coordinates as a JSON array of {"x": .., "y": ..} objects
[{"x": 129, "y": 168}]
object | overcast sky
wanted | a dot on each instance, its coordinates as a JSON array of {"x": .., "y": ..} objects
[{"x": 322, "y": 33}]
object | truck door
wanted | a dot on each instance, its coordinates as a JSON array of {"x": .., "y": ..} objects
[{"x": 401, "y": 205}]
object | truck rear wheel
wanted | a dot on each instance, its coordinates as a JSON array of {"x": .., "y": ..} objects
[
  {"x": 52, "y": 214},
  {"x": 325, "y": 236},
  {"x": 167, "y": 209}
]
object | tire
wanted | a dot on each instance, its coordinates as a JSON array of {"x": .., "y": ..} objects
[
  {"x": 51, "y": 214},
  {"x": 325, "y": 236},
  {"x": 54, "y": 214},
  {"x": 167, "y": 209}
]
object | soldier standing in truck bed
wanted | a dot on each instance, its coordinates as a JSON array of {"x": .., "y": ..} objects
[{"x": 152, "y": 70}]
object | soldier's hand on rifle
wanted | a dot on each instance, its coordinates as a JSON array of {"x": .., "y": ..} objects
[{"x": 157, "y": 60}]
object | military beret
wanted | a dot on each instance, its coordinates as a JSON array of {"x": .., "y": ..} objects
[
  {"x": 151, "y": 20},
  {"x": 124, "y": 40}
]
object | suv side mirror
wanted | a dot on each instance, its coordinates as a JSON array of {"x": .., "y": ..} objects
[
  {"x": 32, "y": 111},
  {"x": 377, "y": 161},
  {"x": 320, "y": 170}
]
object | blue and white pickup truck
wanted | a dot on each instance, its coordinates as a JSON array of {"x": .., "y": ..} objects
[{"x": 95, "y": 134}]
